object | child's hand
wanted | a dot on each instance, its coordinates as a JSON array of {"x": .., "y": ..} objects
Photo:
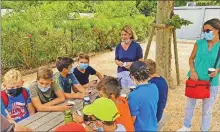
[{"x": 77, "y": 118}]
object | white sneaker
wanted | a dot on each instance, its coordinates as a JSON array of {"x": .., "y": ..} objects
[{"x": 183, "y": 129}]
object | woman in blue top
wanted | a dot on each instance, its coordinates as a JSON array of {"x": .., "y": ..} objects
[
  {"x": 202, "y": 58},
  {"x": 127, "y": 52}
]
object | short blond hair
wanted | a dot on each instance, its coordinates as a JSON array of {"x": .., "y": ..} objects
[
  {"x": 83, "y": 55},
  {"x": 151, "y": 65},
  {"x": 128, "y": 29},
  {"x": 12, "y": 76},
  {"x": 44, "y": 72}
]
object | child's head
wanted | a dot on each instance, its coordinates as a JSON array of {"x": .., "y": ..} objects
[
  {"x": 139, "y": 72},
  {"x": 70, "y": 127},
  {"x": 13, "y": 82},
  {"x": 83, "y": 61},
  {"x": 102, "y": 109},
  {"x": 44, "y": 78},
  {"x": 109, "y": 87},
  {"x": 151, "y": 65},
  {"x": 64, "y": 64}
]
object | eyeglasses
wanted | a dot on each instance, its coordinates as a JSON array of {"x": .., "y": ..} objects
[{"x": 207, "y": 30}]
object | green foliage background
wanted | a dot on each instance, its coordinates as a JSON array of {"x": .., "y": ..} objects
[{"x": 37, "y": 32}]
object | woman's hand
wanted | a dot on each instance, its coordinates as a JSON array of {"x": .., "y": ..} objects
[
  {"x": 213, "y": 74},
  {"x": 120, "y": 63},
  {"x": 128, "y": 65},
  {"x": 193, "y": 75}
]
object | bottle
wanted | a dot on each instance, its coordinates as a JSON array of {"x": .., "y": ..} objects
[
  {"x": 86, "y": 102},
  {"x": 68, "y": 116}
]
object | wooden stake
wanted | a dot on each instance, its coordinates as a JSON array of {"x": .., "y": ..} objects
[
  {"x": 176, "y": 57},
  {"x": 149, "y": 43}
]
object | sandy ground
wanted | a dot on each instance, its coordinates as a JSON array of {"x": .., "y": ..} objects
[{"x": 104, "y": 63}]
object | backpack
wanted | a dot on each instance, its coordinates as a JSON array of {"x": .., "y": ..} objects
[{"x": 4, "y": 96}]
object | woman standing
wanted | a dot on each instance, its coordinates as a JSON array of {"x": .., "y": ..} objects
[
  {"x": 202, "y": 58},
  {"x": 127, "y": 52}
]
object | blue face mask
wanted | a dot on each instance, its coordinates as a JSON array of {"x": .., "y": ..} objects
[
  {"x": 83, "y": 66},
  {"x": 209, "y": 35},
  {"x": 43, "y": 89}
]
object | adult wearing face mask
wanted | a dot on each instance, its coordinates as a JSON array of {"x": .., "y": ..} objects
[
  {"x": 202, "y": 58},
  {"x": 127, "y": 52},
  {"x": 45, "y": 93}
]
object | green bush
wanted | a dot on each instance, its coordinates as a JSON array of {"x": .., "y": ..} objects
[{"x": 39, "y": 35}]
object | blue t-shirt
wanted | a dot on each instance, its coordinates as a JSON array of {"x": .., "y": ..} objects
[
  {"x": 66, "y": 83},
  {"x": 143, "y": 104},
  {"x": 83, "y": 78},
  {"x": 163, "y": 90},
  {"x": 132, "y": 54},
  {"x": 17, "y": 107}
]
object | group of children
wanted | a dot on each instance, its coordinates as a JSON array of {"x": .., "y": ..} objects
[{"x": 141, "y": 111}]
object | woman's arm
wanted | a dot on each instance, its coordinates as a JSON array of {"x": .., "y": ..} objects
[
  {"x": 193, "y": 74},
  {"x": 99, "y": 75}
]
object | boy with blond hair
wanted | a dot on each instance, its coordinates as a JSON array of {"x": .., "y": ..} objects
[
  {"x": 161, "y": 85},
  {"x": 45, "y": 93},
  {"x": 15, "y": 99},
  {"x": 84, "y": 70}
]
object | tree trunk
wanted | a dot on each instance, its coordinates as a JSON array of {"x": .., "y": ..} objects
[{"x": 163, "y": 40}]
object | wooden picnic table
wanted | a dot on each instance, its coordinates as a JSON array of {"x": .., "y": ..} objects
[{"x": 48, "y": 121}]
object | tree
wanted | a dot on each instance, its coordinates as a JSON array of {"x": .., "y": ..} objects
[{"x": 163, "y": 39}]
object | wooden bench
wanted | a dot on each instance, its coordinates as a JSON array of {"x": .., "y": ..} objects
[{"x": 48, "y": 121}]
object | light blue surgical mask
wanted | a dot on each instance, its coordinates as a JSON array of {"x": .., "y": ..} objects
[
  {"x": 83, "y": 66},
  {"x": 43, "y": 89},
  {"x": 209, "y": 35}
]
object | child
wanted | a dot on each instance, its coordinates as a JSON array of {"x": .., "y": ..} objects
[
  {"x": 104, "y": 111},
  {"x": 16, "y": 102},
  {"x": 161, "y": 85},
  {"x": 67, "y": 80},
  {"x": 143, "y": 100},
  {"x": 109, "y": 87},
  {"x": 83, "y": 71},
  {"x": 71, "y": 127},
  {"x": 45, "y": 93}
]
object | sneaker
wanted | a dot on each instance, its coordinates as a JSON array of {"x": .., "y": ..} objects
[{"x": 183, "y": 129}]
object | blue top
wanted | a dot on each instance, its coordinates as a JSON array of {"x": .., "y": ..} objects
[
  {"x": 83, "y": 78},
  {"x": 132, "y": 54},
  {"x": 205, "y": 59},
  {"x": 143, "y": 104},
  {"x": 66, "y": 83},
  {"x": 17, "y": 107},
  {"x": 163, "y": 90}
]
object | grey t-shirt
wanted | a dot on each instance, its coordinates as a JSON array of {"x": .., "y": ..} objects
[{"x": 43, "y": 96}]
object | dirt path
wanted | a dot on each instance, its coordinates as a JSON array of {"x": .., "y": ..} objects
[{"x": 176, "y": 99}]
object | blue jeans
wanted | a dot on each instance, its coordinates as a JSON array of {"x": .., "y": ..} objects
[{"x": 207, "y": 105}]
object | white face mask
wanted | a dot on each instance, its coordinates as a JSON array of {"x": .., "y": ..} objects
[{"x": 43, "y": 89}]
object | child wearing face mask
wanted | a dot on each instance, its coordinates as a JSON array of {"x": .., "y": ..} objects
[
  {"x": 15, "y": 100},
  {"x": 67, "y": 80},
  {"x": 45, "y": 93},
  {"x": 83, "y": 71}
]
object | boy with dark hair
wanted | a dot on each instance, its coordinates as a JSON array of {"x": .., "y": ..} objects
[
  {"x": 67, "y": 80},
  {"x": 45, "y": 93},
  {"x": 161, "y": 85},
  {"x": 109, "y": 87},
  {"x": 143, "y": 100}
]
